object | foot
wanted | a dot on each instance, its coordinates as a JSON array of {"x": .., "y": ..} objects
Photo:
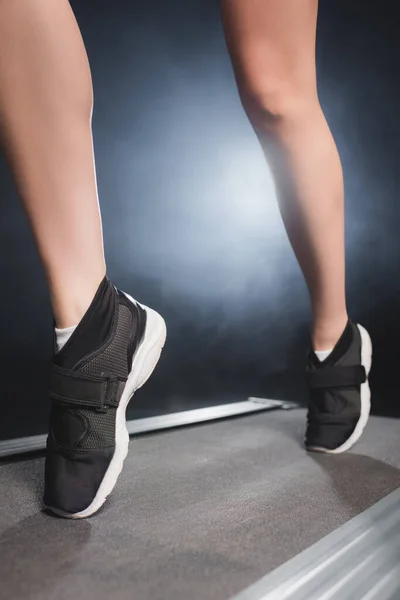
[
  {"x": 340, "y": 398},
  {"x": 111, "y": 354}
]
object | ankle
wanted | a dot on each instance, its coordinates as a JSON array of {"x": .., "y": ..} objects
[
  {"x": 69, "y": 315},
  {"x": 71, "y": 301},
  {"x": 325, "y": 335}
]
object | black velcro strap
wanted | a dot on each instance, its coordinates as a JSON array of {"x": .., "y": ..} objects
[
  {"x": 336, "y": 377},
  {"x": 83, "y": 390}
]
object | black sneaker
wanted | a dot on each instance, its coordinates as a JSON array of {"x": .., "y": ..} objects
[
  {"x": 111, "y": 354},
  {"x": 340, "y": 398}
]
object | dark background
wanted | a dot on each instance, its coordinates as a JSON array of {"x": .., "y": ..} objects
[{"x": 191, "y": 225}]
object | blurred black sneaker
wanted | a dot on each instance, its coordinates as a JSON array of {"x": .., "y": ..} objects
[
  {"x": 340, "y": 397},
  {"x": 112, "y": 353}
]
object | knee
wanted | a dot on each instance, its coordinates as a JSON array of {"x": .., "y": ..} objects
[{"x": 273, "y": 105}]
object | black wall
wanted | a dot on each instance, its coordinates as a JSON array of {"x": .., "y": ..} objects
[{"x": 190, "y": 221}]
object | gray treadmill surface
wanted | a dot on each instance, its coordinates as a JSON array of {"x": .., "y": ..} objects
[{"x": 199, "y": 513}]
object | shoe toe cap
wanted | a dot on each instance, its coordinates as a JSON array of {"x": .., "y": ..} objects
[
  {"x": 72, "y": 479},
  {"x": 329, "y": 437}
]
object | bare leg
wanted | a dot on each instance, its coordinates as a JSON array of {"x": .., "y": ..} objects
[
  {"x": 272, "y": 46},
  {"x": 45, "y": 119}
]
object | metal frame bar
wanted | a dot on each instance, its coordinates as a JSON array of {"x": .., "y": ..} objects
[
  {"x": 179, "y": 419},
  {"x": 359, "y": 560}
]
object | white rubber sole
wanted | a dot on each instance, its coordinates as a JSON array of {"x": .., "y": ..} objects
[
  {"x": 143, "y": 366},
  {"x": 365, "y": 392}
]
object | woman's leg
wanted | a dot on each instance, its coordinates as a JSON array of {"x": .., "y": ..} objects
[
  {"x": 272, "y": 46},
  {"x": 45, "y": 120},
  {"x": 45, "y": 124}
]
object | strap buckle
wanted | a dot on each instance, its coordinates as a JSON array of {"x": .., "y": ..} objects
[{"x": 110, "y": 397}]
